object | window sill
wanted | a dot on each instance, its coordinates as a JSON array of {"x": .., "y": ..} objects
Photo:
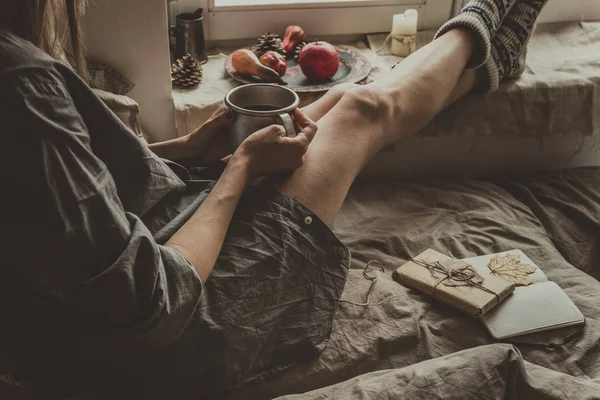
[
  {"x": 546, "y": 118},
  {"x": 194, "y": 106}
]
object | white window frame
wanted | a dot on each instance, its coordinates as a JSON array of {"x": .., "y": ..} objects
[
  {"x": 317, "y": 17},
  {"x": 347, "y": 17}
]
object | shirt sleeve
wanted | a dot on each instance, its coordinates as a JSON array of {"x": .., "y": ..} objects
[{"x": 70, "y": 247}]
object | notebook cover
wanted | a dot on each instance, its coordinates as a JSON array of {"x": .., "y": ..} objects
[{"x": 540, "y": 307}]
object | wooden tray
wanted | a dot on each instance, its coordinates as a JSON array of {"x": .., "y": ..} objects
[{"x": 354, "y": 67}]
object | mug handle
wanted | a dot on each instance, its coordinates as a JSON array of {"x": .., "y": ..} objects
[{"x": 288, "y": 124}]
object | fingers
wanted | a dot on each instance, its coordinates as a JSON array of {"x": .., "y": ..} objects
[
  {"x": 277, "y": 131},
  {"x": 308, "y": 129},
  {"x": 220, "y": 110},
  {"x": 301, "y": 119},
  {"x": 276, "y": 134},
  {"x": 295, "y": 147},
  {"x": 272, "y": 152},
  {"x": 220, "y": 117},
  {"x": 271, "y": 133},
  {"x": 309, "y": 132}
]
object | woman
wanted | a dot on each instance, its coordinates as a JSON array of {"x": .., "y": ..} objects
[{"x": 125, "y": 272}]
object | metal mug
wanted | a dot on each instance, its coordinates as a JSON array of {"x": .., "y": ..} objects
[
  {"x": 257, "y": 106},
  {"x": 189, "y": 35}
]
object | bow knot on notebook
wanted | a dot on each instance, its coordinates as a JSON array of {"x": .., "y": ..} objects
[
  {"x": 454, "y": 282},
  {"x": 455, "y": 273},
  {"x": 473, "y": 285}
]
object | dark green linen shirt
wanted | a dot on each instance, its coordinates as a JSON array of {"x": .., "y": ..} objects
[{"x": 81, "y": 276}]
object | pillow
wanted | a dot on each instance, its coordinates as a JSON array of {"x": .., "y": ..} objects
[
  {"x": 10, "y": 380},
  {"x": 108, "y": 79},
  {"x": 125, "y": 108}
]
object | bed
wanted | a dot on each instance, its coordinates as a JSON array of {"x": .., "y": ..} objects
[{"x": 406, "y": 345}]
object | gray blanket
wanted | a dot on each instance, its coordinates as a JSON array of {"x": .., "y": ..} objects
[
  {"x": 486, "y": 372},
  {"x": 406, "y": 345}
]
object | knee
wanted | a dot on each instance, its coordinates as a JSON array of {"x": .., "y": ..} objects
[
  {"x": 369, "y": 101},
  {"x": 337, "y": 92},
  {"x": 341, "y": 89}
]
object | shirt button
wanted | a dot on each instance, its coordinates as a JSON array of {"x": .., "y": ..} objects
[{"x": 308, "y": 220}]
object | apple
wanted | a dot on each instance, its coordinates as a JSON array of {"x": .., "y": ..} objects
[
  {"x": 319, "y": 61},
  {"x": 274, "y": 60}
]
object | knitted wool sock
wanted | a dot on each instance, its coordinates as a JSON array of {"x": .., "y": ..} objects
[
  {"x": 483, "y": 18},
  {"x": 509, "y": 47}
]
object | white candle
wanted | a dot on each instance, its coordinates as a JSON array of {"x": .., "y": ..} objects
[{"x": 404, "y": 25}]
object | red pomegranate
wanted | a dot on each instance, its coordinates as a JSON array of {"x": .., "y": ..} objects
[{"x": 319, "y": 61}]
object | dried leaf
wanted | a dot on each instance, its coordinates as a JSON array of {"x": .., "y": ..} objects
[{"x": 509, "y": 267}]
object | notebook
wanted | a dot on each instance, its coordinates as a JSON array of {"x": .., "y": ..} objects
[{"x": 539, "y": 307}]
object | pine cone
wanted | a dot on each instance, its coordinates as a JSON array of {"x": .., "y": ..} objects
[
  {"x": 269, "y": 41},
  {"x": 186, "y": 72},
  {"x": 299, "y": 48}
]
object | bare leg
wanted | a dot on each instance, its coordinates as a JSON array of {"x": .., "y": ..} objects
[
  {"x": 369, "y": 117},
  {"x": 322, "y": 106},
  {"x": 468, "y": 80},
  {"x": 319, "y": 108}
]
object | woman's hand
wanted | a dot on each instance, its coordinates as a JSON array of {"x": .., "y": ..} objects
[
  {"x": 269, "y": 151},
  {"x": 206, "y": 145},
  {"x": 210, "y": 143}
]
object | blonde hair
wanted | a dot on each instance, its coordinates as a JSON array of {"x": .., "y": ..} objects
[{"x": 52, "y": 25}]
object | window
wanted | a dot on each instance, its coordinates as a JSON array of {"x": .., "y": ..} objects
[
  {"x": 242, "y": 19},
  {"x": 310, "y": 3}
]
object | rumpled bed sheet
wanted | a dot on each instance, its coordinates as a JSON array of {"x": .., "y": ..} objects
[{"x": 407, "y": 345}]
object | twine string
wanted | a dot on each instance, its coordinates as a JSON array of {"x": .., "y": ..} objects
[
  {"x": 407, "y": 40},
  {"x": 368, "y": 277},
  {"x": 464, "y": 275}
]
